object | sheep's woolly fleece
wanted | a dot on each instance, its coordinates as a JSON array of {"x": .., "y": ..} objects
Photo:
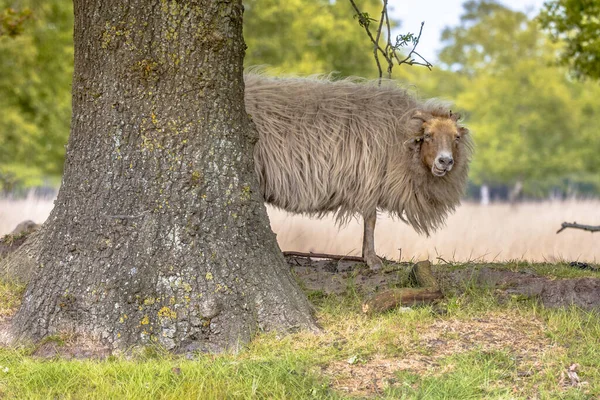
[{"x": 343, "y": 146}]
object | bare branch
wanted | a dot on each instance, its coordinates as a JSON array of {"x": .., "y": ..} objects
[
  {"x": 388, "y": 46},
  {"x": 408, "y": 60},
  {"x": 376, "y": 47},
  {"x": 364, "y": 20},
  {"x": 390, "y": 51},
  {"x": 589, "y": 228}
]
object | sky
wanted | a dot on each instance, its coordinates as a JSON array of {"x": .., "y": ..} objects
[{"x": 439, "y": 14}]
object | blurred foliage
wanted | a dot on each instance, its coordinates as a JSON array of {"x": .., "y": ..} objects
[
  {"x": 531, "y": 121},
  {"x": 309, "y": 36},
  {"x": 36, "y": 63},
  {"x": 12, "y": 21},
  {"x": 577, "y": 24}
]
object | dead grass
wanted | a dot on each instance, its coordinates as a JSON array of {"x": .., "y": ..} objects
[
  {"x": 433, "y": 344},
  {"x": 497, "y": 232},
  {"x": 12, "y": 212}
]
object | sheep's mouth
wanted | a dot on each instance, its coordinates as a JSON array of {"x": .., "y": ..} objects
[{"x": 437, "y": 171}]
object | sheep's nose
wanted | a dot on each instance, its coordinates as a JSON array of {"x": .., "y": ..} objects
[{"x": 445, "y": 161}]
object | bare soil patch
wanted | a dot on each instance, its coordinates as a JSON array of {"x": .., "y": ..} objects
[
  {"x": 335, "y": 277},
  {"x": 523, "y": 338}
]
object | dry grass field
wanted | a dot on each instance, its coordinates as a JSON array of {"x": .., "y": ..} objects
[{"x": 496, "y": 232}]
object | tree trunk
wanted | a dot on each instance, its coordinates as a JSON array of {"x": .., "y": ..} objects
[
  {"x": 159, "y": 232},
  {"x": 515, "y": 192},
  {"x": 485, "y": 195}
]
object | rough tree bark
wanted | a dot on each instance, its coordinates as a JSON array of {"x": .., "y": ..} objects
[{"x": 159, "y": 232}]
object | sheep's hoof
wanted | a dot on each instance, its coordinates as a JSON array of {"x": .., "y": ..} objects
[{"x": 373, "y": 262}]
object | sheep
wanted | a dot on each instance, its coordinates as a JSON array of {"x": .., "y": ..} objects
[{"x": 354, "y": 147}]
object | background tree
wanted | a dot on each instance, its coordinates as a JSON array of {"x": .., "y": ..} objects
[
  {"x": 159, "y": 232},
  {"x": 576, "y": 24},
  {"x": 36, "y": 64},
  {"x": 308, "y": 36}
]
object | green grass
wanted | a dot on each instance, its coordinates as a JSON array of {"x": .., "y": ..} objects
[
  {"x": 10, "y": 297},
  {"x": 477, "y": 348},
  {"x": 555, "y": 270},
  {"x": 203, "y": 378}
]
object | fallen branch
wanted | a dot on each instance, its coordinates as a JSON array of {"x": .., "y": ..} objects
[
  {"x": 392, "y": 298},
  {"x": 589, "y": 228},
  {"x": 322, "y": 255}
]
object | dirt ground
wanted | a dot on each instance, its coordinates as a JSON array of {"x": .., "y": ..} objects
[{"x": 335, "y": 277}]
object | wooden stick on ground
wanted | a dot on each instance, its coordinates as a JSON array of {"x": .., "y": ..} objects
[
  {"x": 392, "y": 298},
  {"x": 322, "y": 255},
  {"x": 590, "y": 228}
]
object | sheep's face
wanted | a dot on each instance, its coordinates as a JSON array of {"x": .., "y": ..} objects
[{"x": 440, "y": 139}]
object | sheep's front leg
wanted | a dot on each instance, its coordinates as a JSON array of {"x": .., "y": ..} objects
[{"x": 368, "y": 250}]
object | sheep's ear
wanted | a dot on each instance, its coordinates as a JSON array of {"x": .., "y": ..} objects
[
  {"x": 417, "y": 121},
  {"x": 455, "y": 116},
  {"x": 463, "y": 131},
  {"x": 414, "y": 143}
]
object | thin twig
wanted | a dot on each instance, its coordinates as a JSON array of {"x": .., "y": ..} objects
[
  {"x": 589, "y": 228},
  {"x": 376, "y": 43},
  {"x": 416, "y": 43},
  {"x": 388, "y": 46}
]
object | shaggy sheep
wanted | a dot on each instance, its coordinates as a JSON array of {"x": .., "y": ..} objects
[{"x": 352, "y": 147}]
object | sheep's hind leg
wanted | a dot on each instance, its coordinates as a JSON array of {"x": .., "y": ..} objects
[{"x": 368, "y": 251}]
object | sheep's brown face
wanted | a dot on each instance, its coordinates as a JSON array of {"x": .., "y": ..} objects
[{"x": 441, "y": 138}]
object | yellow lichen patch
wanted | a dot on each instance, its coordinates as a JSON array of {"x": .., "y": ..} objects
[
  {"x": 209, "y": 276},
  {"x": 145, "y": 320},
  {"x": 147, "y": 143},
  {"x": 245, "y": 193},
  {"x": 196, "y": 177},
  {"x": 149, "y": 301},
  {"x": 166, "y": 312},
  {"x": 146, "y": 68},
  {"x": 221, "y": 288},
  {"x": 111, "y": 32},
  {"x": 187, "y": 287}
]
